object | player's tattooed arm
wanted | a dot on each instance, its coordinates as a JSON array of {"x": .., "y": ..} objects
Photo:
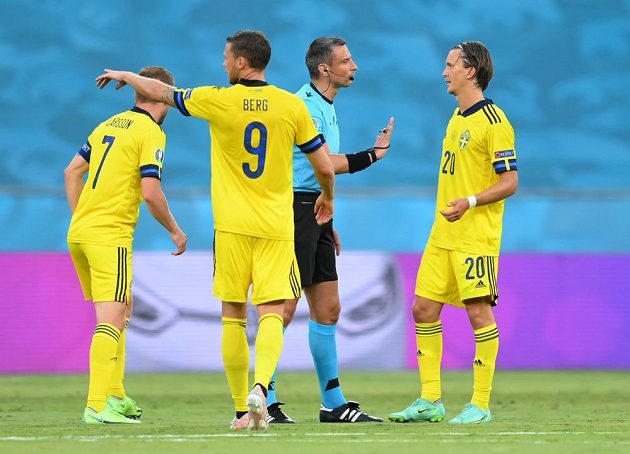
[
  {"x": 168, "y": 95},
  {"x": 152, "y": 89}
]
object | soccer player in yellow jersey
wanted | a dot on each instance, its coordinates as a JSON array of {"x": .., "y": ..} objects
[
  {"x": 123, "y": 159},
  {"x": 459, "y": 266},
  {"x": 253, "y": 127}
]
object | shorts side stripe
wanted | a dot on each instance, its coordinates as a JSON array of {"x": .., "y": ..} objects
[
  {"x": 123, "y": 294},
  {"x": 214, "y": 254},
  {"x": 118, "y": 275},
  {"x": 491, "y": 276},
  {"x": 295, "y": 285}
]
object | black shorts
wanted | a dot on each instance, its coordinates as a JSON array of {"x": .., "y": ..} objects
[{"x": 314, "y": 247}]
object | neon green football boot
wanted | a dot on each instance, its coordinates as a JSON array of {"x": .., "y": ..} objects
[
  {"x": 420, "y": 410},
  {"x": 125, "y": 406},
  {"x": 108, "y": 416},
  {"x": 472, "y": 414}
]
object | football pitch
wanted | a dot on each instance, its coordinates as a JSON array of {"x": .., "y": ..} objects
[{"x": 570, "y": 411}]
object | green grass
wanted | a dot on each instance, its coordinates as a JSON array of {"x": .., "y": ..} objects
[{"x": 573, "y": 412}]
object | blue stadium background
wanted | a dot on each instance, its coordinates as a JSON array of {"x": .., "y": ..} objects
[{"x": 561, "y": 72}]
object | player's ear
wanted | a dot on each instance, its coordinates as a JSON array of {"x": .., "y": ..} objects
[
  {"x": 323, "y": 69},
  {"x": 471, "y": 71}
]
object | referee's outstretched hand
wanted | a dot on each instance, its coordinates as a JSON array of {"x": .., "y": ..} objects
[{"x": 383, "y": 140}]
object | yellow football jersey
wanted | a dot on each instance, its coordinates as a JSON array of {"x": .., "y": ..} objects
[
  {"x": 253, "y": 127},
  {"x": 478, "y": 146},
  {"x": 121, "y": 150}
]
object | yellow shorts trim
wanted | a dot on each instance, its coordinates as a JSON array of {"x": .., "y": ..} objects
[
  {"x": 105, "y": 272},
  {"x": 450, "y": 277},
  {"x": 267, "y": 265}
]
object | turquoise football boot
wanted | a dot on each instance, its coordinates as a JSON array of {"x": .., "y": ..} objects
[{"x": 472, "y": 414}]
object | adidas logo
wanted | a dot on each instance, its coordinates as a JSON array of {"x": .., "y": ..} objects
[
  {"x": 478, "y": 362},
  {"x": 480, "y": 284},
  {"x": 419, "y": 353}
]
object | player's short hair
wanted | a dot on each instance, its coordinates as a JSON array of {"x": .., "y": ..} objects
[
  {"x": 155, "y": 72},
  {"x": 476, "y": 55},
  {"x": 321, "y": 51},
  {"x": 253, "y": 46}
]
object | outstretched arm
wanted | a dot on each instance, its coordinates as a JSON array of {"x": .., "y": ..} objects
[
  {"x": 355, "y": 162},
  {"x": 151, "y": 89}
]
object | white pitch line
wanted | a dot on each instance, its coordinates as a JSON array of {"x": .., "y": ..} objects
[
  {"x": 314, "y": 436},
  {"x": 456, "y": 434},
  {"x": 164, "y": 437}
]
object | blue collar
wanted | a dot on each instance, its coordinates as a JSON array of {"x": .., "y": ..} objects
[
  {"x": 252, "y": 82},
  {"x": 320, "y": 94},
  {"x": 475, "y": 107}
]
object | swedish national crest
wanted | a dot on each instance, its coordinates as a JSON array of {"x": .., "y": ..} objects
[{"x": 464, "y": 139}]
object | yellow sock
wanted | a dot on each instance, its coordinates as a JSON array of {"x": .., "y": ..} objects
[
  {"x": 236, "y": 359},
  {"x": 269, "y": 341},
  {"x": 102, "y": 363},
  {"x": 487, "y": 348},
  {"x": 116, "y": 386},
  {"x": 429, "y": 342}
]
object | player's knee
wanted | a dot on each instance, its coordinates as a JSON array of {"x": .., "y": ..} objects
[
  {"x": 328, "y": 315},
  {"x": 112, "y": 313},
  {"x": 289, "y": 311},
  {"x": 479, "y": 313},
  {"x": 333, "y": 315},
  {"x": 423, "y": 313}
]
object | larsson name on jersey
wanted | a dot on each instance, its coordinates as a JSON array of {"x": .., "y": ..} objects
[{"x": 122, "y": 123}]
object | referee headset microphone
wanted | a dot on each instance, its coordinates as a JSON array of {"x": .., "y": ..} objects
[{"x": 338, "y": 75}]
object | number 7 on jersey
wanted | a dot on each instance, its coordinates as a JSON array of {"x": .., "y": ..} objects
[{"x": 109, "y": 140}]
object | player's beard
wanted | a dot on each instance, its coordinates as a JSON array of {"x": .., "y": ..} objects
[{"x": 233, "y": 77}]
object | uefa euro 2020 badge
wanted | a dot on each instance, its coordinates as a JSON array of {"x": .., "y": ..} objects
[
  {"x": 159, "y": 155},
  {"x": 464, "y": 139}
]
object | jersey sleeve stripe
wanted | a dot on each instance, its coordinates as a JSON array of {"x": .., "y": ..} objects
[
  {"x": 85, "y": 151},
  {"x": 178, "y": 97},
  {"x": 487, "y": 115},
  {"x": 494, "y": 111},
  {"x": 150, "y": 170},
  {"x": 312, "y": 144}
]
